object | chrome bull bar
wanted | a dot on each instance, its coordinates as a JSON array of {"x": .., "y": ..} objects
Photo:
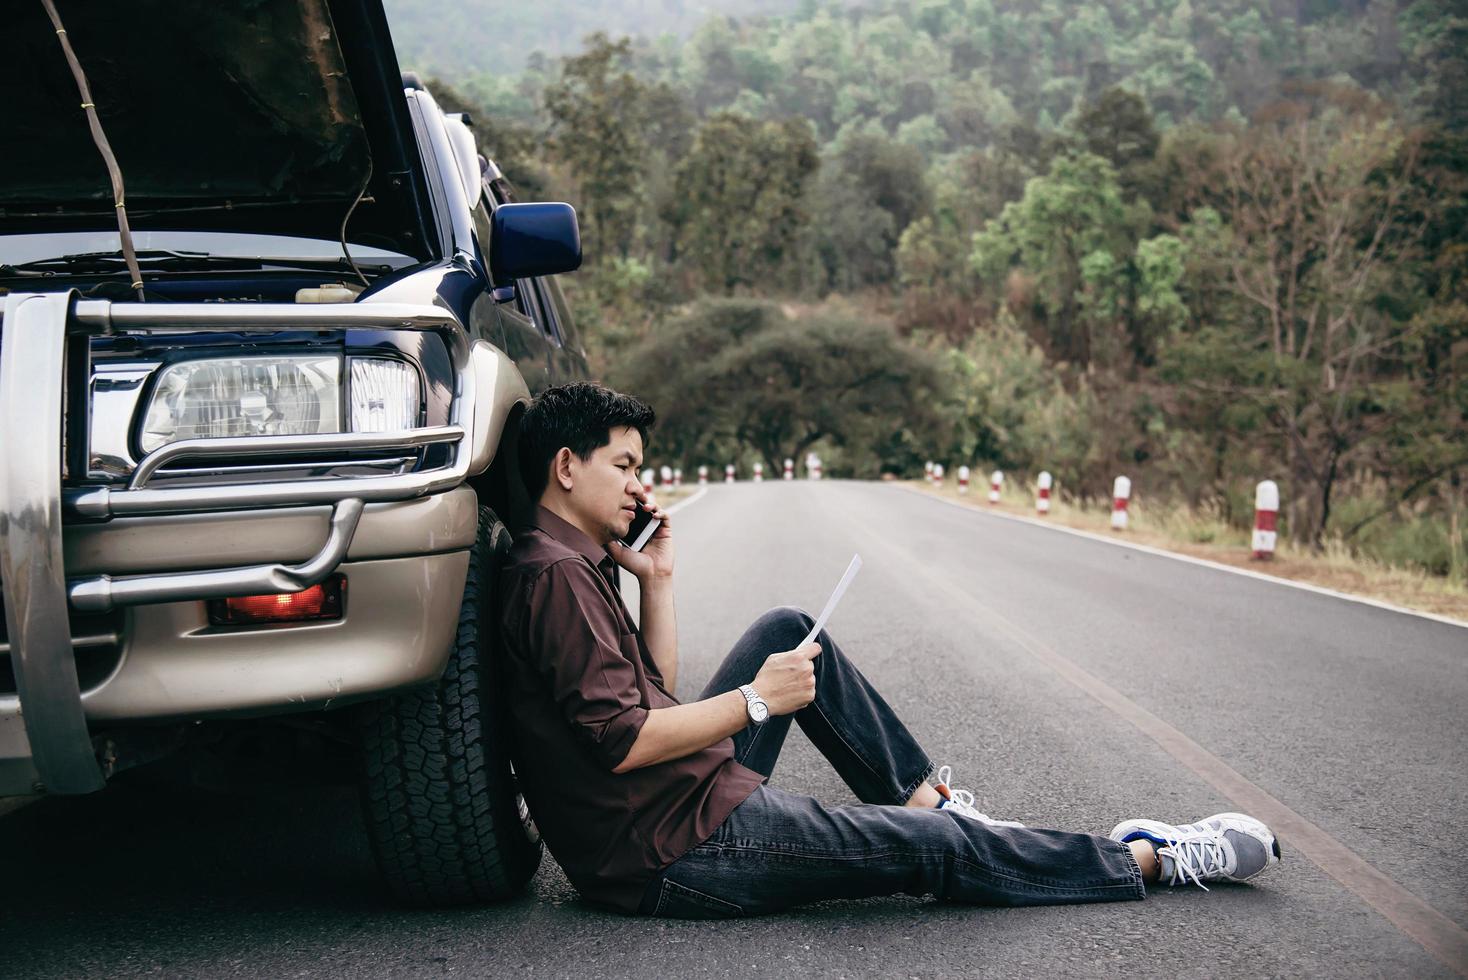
[
  {"x": 100, "y": 593},
  {"x": 33, "y": 355},
  {"x": 32, "y": 372}
]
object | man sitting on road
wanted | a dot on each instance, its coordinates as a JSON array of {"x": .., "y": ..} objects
[{"x": 659, "y": 807}]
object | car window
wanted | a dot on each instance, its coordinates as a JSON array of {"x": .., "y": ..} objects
[
  {"x": 546, "y": 308},
  {"x": 562, "y": 310},
  {"x": 481, "y": 231},
  {"x": 527, "y": 298}
]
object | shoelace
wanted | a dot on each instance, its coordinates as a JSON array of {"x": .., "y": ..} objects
[
  {"x": 960, "y": 796},
  {"x": 1196, "y": 854},
  {"x": 963, "y": 801}
]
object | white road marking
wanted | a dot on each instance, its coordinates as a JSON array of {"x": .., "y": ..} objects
[
  {"x": 674, "y": 508},
  {"x": 1219, "y": 566}
]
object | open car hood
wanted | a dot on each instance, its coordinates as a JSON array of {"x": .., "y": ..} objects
[{"x": 266, "y": 116}]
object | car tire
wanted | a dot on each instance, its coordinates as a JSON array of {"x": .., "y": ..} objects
[{"x": 447, "y": 823}]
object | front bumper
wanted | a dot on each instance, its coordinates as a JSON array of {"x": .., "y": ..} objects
[
  {"x": 397, "y": 631},
  {"x": 146, "y": 555}
]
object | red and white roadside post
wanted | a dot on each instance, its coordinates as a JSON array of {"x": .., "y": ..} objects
[
  {"x": 963, "y": 479},
  {"x": 928, "y": 471},
  {"x": 1266, "y": 519},
  {"x": 812, "y": 466},
  {"x": 1042, "y": 496},
  {"x": 759, "y": 472},
  {"x": 938, "y": 475},
  {"x": 729, "y": 473},
  {"x": 1121, "y": 492},
  {"x": 677, "y": 477},
  {"x": 996, "y": 480},
  {"x": 667, "y": 473},
  {"x": 789, "y": 468},
  {"x": 703, "y": 476},
  {"x": 647, "y": 478}
]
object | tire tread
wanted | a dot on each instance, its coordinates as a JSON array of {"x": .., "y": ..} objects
[{"x": 438, "y": 793}]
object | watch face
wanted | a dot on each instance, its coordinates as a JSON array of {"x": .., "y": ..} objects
[{"x": 759, "y": 711}]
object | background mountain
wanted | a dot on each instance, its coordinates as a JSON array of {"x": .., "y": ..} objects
[{"x": 488, "y": 35}]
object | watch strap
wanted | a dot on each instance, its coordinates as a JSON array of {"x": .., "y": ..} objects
[{"x": 750, "y": 697}]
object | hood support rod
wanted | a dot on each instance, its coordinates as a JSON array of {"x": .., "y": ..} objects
[{"x": 100, "y": 138}]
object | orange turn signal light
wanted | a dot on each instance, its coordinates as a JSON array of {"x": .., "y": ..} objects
[{"x": 319, "y": 602}]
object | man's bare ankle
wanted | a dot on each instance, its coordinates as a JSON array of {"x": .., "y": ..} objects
[
  {"x": 924, "y": 795},
  {"x": 1147, "y": 861}
]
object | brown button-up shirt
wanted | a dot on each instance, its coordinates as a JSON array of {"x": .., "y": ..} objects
[{"x": 580, "y": 682}]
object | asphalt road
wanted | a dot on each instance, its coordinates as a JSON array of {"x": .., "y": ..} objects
[{"x": 998, "y": 643}]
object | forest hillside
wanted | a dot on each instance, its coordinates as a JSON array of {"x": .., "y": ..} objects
[{"x": 1201, "y": 243}]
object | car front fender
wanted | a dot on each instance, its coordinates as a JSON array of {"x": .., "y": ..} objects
[{"x": 498, "y": 389}]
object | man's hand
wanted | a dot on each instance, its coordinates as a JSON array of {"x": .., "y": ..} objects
[
  {"x": 655, "y": 560},
  {"x": 787, "y": 681}
]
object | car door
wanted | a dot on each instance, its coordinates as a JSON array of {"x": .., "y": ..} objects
[
  {"x": 528, "y": 336},
  {"x": 568, "y": 358}
]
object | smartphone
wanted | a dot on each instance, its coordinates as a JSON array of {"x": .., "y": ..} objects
[{"x": 643, "y": 527}]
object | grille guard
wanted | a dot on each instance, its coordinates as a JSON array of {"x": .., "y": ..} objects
[{"x": 33, "y": 363}]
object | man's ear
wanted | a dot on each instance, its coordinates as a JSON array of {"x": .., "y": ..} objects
[{"x": 561, "y": 468}]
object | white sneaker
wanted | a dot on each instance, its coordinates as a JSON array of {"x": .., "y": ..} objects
[
  {"x": 962, "y": 801},
  {"x": 1223, "y": 847}
]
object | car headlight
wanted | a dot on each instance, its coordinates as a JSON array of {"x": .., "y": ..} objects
[
  {"x": 244, "y": 396},
  {"x": 384, "y": 395},
  {"x": 278, "y": 395}
]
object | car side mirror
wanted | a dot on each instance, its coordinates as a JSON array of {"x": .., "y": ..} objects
[{"x": 528, "y": 240}]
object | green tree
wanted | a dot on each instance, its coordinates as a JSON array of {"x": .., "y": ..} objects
[
  {"x": 973, "y": 112},
  {"x": 739, "y": 375},
  {"x": 1160, "y": 266},
  {"x": 871, "y": 188},
  {"x": 1014, "y": 411},
  {"x": 924, "y": 262},
  {"x": 738, "y": 206},
  {"x": 1069, "y": 222},
  {"x": 1320, "y": 221},
  {"x": 1435, "y": 39},
  {"x": 1173, "y": 79},
  {"x": 1118, "y": 127},
  {"x": 597, "y": 121}
]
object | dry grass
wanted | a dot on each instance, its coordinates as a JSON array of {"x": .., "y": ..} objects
[
  {"x": 1205, "y": 535},
  {"x": 673, "y": 495}
]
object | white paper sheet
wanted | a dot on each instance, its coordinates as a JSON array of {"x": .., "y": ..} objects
[{"x": 841, "y": 587}]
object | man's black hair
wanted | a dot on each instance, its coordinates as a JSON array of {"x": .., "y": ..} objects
[{"x": 579, "y": 416}]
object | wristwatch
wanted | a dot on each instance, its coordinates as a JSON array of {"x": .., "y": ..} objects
[{"x": 755, "y": 705}]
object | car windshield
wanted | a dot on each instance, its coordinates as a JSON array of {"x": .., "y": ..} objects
[{"x": 17, "y": 250}]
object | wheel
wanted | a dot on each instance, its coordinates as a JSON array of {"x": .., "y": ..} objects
[{"x": 447, "y": 823}]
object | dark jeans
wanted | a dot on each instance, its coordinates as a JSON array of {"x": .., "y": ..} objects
[{"x": 779, "y": 849}]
